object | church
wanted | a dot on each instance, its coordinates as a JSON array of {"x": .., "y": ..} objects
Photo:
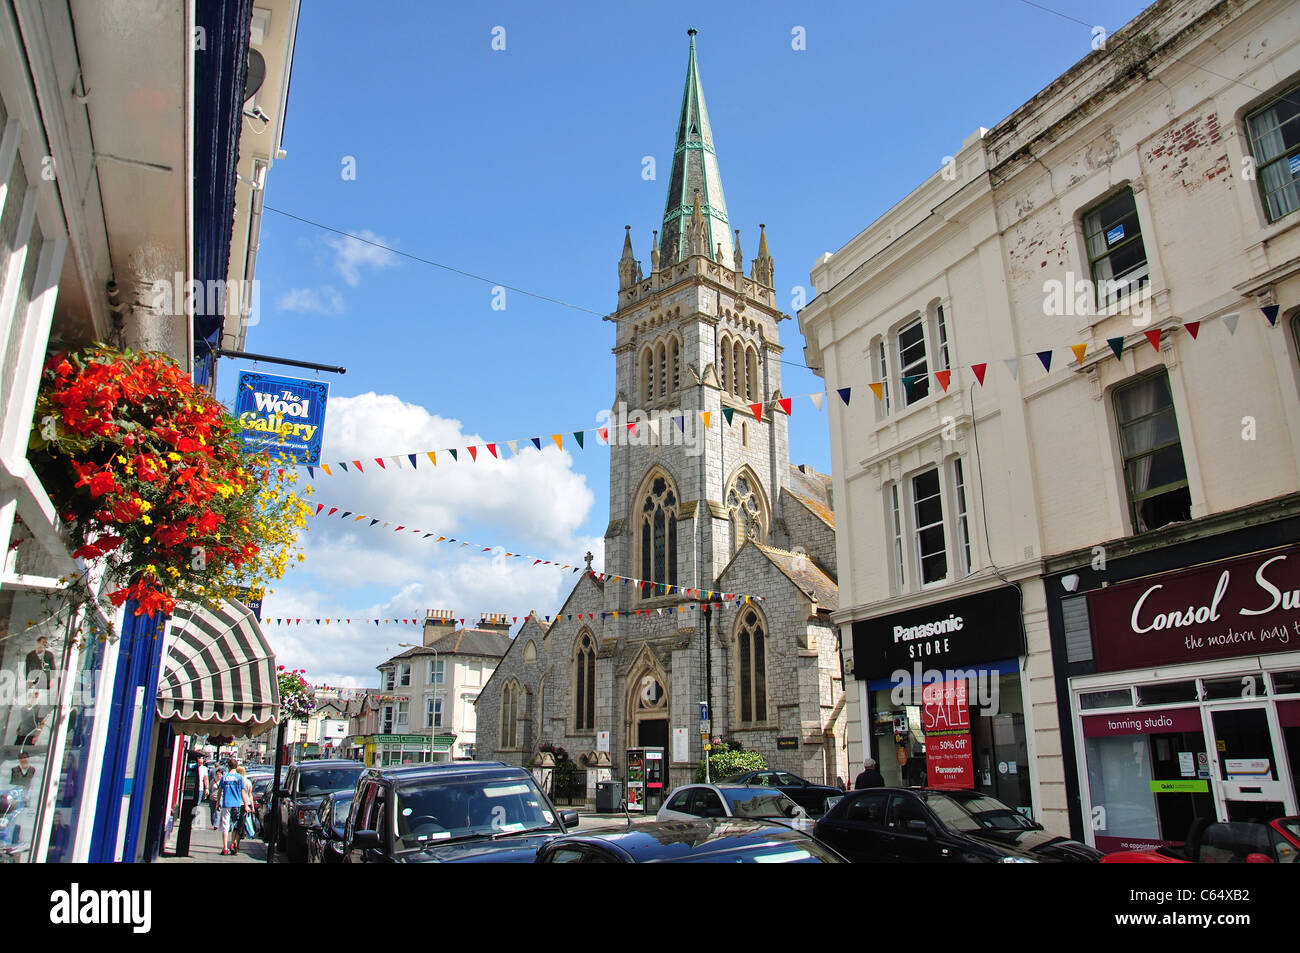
[{"x": 702, "y": 496}]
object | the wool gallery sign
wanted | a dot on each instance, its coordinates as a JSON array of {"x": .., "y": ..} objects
[
  {"x": 1245, "y": 606},
  {"x": 282, "y": 415}
]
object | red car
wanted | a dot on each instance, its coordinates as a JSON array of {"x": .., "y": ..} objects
[{"x": 1232, "y": 842}]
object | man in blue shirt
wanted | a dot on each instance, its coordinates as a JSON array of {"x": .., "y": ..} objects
[{"x": 230, "y": 796}]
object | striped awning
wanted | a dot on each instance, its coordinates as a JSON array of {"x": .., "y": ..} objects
[{"x": 218, "y": 671}]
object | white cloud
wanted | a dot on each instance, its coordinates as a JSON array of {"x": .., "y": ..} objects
[
  {"x": 352, "y": 255},
  {"x": 533, "y": 503},
  {"x": 325, "y": 300}
]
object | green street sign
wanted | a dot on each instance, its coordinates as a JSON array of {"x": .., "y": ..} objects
[{"x": 1192, "y": 787}]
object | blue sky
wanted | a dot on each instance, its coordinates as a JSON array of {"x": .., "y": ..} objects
[{"x": 523, "y": 165}]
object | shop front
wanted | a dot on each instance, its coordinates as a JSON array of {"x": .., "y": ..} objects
[
  {"x": 944, "y": 690},
  {"x": 1192, "y": 709},
  {"x": 383, "y": 750}
]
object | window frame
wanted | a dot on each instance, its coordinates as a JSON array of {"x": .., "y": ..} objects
[
  {"x": 919, "y": 556},
  {"x": 1143, "y": 279},
  {"x": 752, "y": 665},
  {"x": 1288, "y": 155},
  {"x": 961, "y": 516},
  {"x": 922, "y": 384},
  {"x": 1171, "y": 410}
]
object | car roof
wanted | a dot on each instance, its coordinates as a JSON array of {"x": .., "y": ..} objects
[
  {"x": 445, "y": 769},
  {"x": 673, "y": 840}
]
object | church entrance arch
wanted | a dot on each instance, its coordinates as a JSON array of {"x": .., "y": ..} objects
[{"x": 647, "y": 713}]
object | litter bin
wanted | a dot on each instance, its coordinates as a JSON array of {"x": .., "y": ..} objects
[{"x": 609, "y": 795}]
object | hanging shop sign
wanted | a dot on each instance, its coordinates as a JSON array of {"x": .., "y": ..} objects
[
  {"x": 949, "y": 634},
  {"x": 1246, "y": 606},
  {"x": 282, "y": 415}
]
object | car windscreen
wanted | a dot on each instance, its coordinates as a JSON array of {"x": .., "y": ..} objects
[
  {"x": 992, "y": 814},
  {"x": 759, "y": 802},
  {"x": 458, "y": 808},
  {"x": 806, "y": 851},
  {"x": 951, "y": 813},
  {"x": 326, "y": 780}
]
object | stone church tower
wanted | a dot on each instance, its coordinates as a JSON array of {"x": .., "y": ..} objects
[{"x": 702, "y": 497}]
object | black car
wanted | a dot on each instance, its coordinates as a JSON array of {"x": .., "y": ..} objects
[
  {"x": 325, "y": 837},
  {"x": 922, "y": 825},
  {"x": 451, "y": 812},
  {"x": 304, "y": 786},
  {"x": 723, "y": 841},
  {"x": 810, "y": 795}
]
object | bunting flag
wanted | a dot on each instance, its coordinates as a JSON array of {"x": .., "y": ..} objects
[
  {"x": 878, "y": 389},
  {"x": 942, "y": 377},
  {"x": 1270, "y": 312},
  {"x": 343, "y": 467},
  {"x": 1231, "y": 321},
  {"x": 311, "y": 473},
  {"x": 728, "y": 412},
  {"x": 492, "y": 449},
  {"x": 680, "y": 421},
  {"x": 844, "y": 394},
  {"x": 758, "y": 411},
  {"x": 1154, "y": 338},
  {"x": 454, "y": 456},
  {"x": 603, "y": 432},
  {"x": 1013, "y": 367},
  {"x": 473, "y": 453},
  {"x": 1193, "y": 327},
  {"x": 979, "y": 370},
  {"x": 654, "y": 429},
  {"x": 559, "y": 441},
  {"x": 433, "y": 457},
  {"x": 909, "y": 381},
  {"x": 817, "y": 399},
  {"x": 357, "y": 464},
  {"x": 1116, "y": 345},
  {"x": 411, "y": 457},
  {"x": 784, "y": 403},
  {"x": 1079, "y": 351},
  {"x": 577, "y": 435},
  {"x": 514, "y": 447},
  {"x": 705, "y": 415},
  {"x": 1046, "y": 358}
]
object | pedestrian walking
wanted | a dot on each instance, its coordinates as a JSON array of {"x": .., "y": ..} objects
[
  {"x": 244, "y": 809},
  {"x": 870, "y": 777},
  {"x": 231, "y": 793},
  {"x": 214, "y": 790},
  {"x": 202, "y": 785}
]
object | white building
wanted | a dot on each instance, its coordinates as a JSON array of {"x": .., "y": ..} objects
[{"x": 1146, "y": 197}]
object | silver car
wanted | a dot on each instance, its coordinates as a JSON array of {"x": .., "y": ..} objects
[{"x": 733, "y": 800}]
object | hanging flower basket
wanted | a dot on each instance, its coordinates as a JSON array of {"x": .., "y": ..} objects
[
  {"x": 149, "y": 476},
  {"x": 296, "y": 701}
]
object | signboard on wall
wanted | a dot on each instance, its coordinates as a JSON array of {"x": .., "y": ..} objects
[
  {"x": 281, "y": 415},
  {"x": 1227, "y": 609},
  {"x": 948, "y": 762}
]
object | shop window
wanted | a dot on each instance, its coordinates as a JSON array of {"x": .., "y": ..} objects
[
  {"x": 1286, "y": 683},
  {"x": 1167, "y": 693},
  {"x": 1116, "y": 254},
  {"x": 931, "y": 547},
  {"x": 1113, "y": 698},
  {"x": 1245, "y": 686},
  {"x": 1275, "y": 144},
  {"x": 1154, "y": 472}
]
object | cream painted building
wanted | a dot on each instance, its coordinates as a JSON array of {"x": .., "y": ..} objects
[{"x": 1047, "y": 528}]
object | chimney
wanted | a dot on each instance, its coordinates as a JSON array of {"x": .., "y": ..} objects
[
  {"x": 437, "y": 623},
  {"x": 495, "y": 622}
]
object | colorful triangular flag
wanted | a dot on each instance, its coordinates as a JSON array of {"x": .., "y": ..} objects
[
  {"x": 705, "y": 415},
  {"x": 758, "y": 411},
  {"x": 537, "y": 442},
  {"x": 1013, "y": 367},
  {"x": 1079, "y": 351},
  {"x": 577, "y": 435},
  {"x": 1046, "y": 358},
  {"x": 728, "y": 413},
  {"x": 325, "y": 467},
  {"x": 492, "y": 449},
  {"x": 1154, "y": 337},
  {"x": 453, "y": 453},
  {"x": 473, "y": 453},
  {"x": 784, "y": 404},
  {"x": 817, "y": 399},
  {"x": 1231, "y": 321},
  {"x": 844, "y": 394},
  {"x": 433, "y": 457},
  {"x": 559, "y": 441},
  {"x": 1270, "y": 312},
  {"x": 1116, "y": 345},
  {"x": 1192, "y": 328},
  {"x": 603, "y": 433},
  {"x": 411, "y": 457},
  {"x": 979, "y": 370},
  {"x": 943, "y": 377},
  {"x": 514, "y": 447},
  {"x": 877, "y": 388}
]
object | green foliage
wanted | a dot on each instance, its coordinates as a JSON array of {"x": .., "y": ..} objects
[{"x": 730, "y": 758}]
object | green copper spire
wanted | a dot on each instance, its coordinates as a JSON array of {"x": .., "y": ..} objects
[{"x": 695, "y": 170}]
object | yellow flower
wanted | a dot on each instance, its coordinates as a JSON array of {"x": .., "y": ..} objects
[
  {"x": 174, "y": 457},
  {"x": 148, "y": 538},
  {"x": 145, "y": 505},
  {"x": 121, "y": 459},
  {"x": 146, "y": 520}
]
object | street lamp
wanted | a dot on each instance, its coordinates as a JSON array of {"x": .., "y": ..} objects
[{"x": 434, "y": 670}]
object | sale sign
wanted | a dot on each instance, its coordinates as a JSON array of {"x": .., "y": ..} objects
[
  {"x": 948, "y": 762},
  {"x": 944, "y": 707}
]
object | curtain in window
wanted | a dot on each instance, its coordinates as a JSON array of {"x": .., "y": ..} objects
[
  {"x": 1279, "y": 182},
  {"x": 1139, "y": 402}
]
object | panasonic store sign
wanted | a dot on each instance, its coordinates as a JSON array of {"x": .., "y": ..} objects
[{"x": 985, "y": 627}]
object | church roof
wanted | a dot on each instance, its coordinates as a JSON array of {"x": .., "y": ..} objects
[
  {"x": 478, "y": 642},
  {"x": 805, "y": 574},
  {"x": 695, "y": 169},
  {"x": 813, "y": 490}
]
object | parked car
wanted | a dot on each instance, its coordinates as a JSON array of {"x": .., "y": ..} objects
[
  {"x": 697, "y": 841},
  {"x": 304, "y": 786},
  {"x": 733, "y": 800},
  {"x": 451, "y": 812},
  {"x": 809, "y": 794},
  {"x": 922, "y": 825},
  {"x": 325, "y": 837},
  {"x": 1225, "y": 842}
]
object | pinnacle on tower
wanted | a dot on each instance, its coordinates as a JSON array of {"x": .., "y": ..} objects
[
  {"x": 764, "y": 268},
  {"x": 695, "y": 170},
  {"x": 654, "y": 252},
  {"x": 629, "y": 269},
  {"x": 738, "y": 258}
]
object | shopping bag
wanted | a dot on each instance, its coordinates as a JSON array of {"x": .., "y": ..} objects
[{"x": 250, "y": 825}]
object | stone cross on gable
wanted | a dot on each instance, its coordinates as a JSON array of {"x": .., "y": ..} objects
[{"x": 589, "y": 558}]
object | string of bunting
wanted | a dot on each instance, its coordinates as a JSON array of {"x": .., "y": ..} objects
[
  {"x": 785, "y": 405},
  {"x": 646, "y": 585}
]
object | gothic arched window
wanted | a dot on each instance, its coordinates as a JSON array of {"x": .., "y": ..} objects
[
  {"x": 751, "y": 668},
  {"x": 751, "y": 374},
  {"x": 662, "y": 353},
  {"x": 726, "y": 363},
  {"x": 647, "y": 375},
  {"x": 737, "y": 369},
  {"x": 658, "y": 535},
  {"x": 539, "y": 723},
  {"x": 509, "y": 714},
  {"x": 584, "y": 683},
  {"x": 746, "y": 510},
  {"x": 674, "y": 358}
]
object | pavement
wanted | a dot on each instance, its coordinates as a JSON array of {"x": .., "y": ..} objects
[{"x": 205, "y": 846}]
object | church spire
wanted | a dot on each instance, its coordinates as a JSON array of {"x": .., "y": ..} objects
[
  {"x": 629, "y": 269},
  {"x": 695, "y": 170}
]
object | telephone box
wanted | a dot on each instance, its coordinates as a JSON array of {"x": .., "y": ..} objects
[{"x": 647, "y": 778}]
